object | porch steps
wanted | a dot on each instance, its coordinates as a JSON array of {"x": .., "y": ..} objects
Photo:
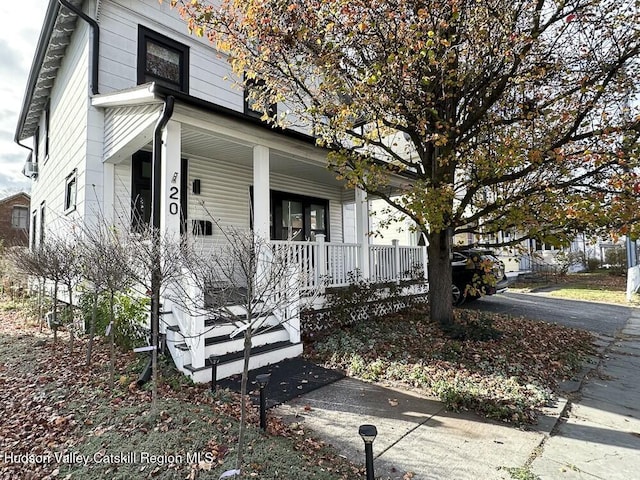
[
  {"x": 223, "y": 318},
  {"x": 222, "y": 344},
  {"x": 232, "y": 362},
  {"x": 271, "y": 343}
]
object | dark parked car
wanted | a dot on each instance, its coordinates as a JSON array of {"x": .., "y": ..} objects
[{"x": 475, "y": 273}]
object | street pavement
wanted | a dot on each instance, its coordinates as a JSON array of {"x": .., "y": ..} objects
[
  {"x": 602, "y": 318},
  {"x": 592, "y": 433}
]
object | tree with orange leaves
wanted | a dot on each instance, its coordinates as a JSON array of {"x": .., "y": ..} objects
[{"x": 519, "y": 115}]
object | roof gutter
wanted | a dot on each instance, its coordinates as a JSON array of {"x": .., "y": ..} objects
[{"x": 95, "y": 28}]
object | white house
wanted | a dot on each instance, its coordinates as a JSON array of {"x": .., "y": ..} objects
[{"x": 119, "y": 94}]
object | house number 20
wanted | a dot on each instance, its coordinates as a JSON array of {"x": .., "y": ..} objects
[{"x": 173, "y": 205}]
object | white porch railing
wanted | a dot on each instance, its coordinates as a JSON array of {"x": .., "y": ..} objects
[{"x": 329, "y": 264}]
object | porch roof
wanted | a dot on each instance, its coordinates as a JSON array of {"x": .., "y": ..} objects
[
  {"x": 210, "y": 131},
  {"x": 131, "y": 115}
]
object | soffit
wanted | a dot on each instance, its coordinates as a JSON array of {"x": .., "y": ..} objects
[{"x": 52, "y": 45}]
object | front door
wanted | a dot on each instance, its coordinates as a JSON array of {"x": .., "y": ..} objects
[{"x": 298, "y": 217}]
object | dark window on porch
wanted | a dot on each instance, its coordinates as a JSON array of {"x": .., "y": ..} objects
[
  {"x": 162, "y": 60},
  {"x": 141, "y": 178},
  {"x": 298, "y": 217},
  {"x": 140, "y": 191}
]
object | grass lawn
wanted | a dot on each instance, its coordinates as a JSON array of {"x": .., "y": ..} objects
[
  {"x": 601, "y": 286},
  {"x": 56, "y": 412},
  {"x": 500, "y": 367}
]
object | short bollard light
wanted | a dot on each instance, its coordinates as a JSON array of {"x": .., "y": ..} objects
[
  {"x": 368, "y": 434},
  {"x": 214, "y": 360},
  {"x": 262, "y": 380}
]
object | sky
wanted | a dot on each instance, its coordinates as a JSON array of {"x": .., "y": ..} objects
[{"x": 20, "y": 24}]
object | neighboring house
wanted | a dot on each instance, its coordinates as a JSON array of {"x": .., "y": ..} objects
[
  {"x": 14, "y": 220},
  {"x": 117, "y": 86}
]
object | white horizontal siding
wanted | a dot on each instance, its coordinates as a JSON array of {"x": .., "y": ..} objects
[
  {"x": 225, "y": 195},
  {"x": 210, "y": 74},
  {"x": 68, "y": 127},
  {"x": 122, "y": 195},
  {"x": 122, "y": 125}
]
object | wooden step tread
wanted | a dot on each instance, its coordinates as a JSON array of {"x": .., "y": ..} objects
[
  {"x": 222, "y": 319},
  {"x": 233, "y": 356},
  {"x": 225, "y": 338}
]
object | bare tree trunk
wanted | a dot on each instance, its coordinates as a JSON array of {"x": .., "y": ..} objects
[
  {"x": 55, "y": 312},
  {"x": 41, "y": 286},
  {"x": 243, "y": 396},
  {"x": 440, "y": 278},
  {"x": 112, "y": 349},
  {"x": 71, "y": 325},
  {"x": 92, "y": 326}
]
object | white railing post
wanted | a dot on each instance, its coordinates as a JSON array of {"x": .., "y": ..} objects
[
  {"x": 293, "y": 323},
  {"x": 396, "y": 260},
  {"x": 321, "y": 263}
]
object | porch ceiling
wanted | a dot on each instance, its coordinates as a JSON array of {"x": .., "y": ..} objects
[{"x": 204, "y": 144}]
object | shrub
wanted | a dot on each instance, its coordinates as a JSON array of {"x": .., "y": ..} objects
[
  {"x": 131, "y": 317},
  {"x": 593, "y": 264}
]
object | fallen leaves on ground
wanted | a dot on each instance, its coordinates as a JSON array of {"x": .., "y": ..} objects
[
  {"x": 57, "y": 414},
  {"x": 509, "y": 377}
]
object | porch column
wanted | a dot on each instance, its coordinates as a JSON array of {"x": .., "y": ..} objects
[
  {"x": 362, "y": 231},
  {"x": 261, "y": 227},
  {"x": 170, "y": 181}
]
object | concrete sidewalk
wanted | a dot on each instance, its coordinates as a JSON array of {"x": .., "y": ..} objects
[
  {"x": 599, "y": 438},
  {"x": 596, "y": 435}
]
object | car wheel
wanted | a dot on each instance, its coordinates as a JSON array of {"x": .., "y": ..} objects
[{"x": 458, "y": 297}]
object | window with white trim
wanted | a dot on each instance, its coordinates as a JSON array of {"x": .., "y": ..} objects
[{"x": 20, "y": 217}]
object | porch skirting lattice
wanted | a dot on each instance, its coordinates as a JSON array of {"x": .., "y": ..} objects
[{"x": 317, "y": 321}]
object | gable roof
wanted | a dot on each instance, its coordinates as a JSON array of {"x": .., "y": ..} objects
[
  {"x": 26, "y": 196},
  {"x": 59, "y": 24}
]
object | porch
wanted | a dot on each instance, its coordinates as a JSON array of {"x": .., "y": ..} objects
[{"x": 206, "y": 170}]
